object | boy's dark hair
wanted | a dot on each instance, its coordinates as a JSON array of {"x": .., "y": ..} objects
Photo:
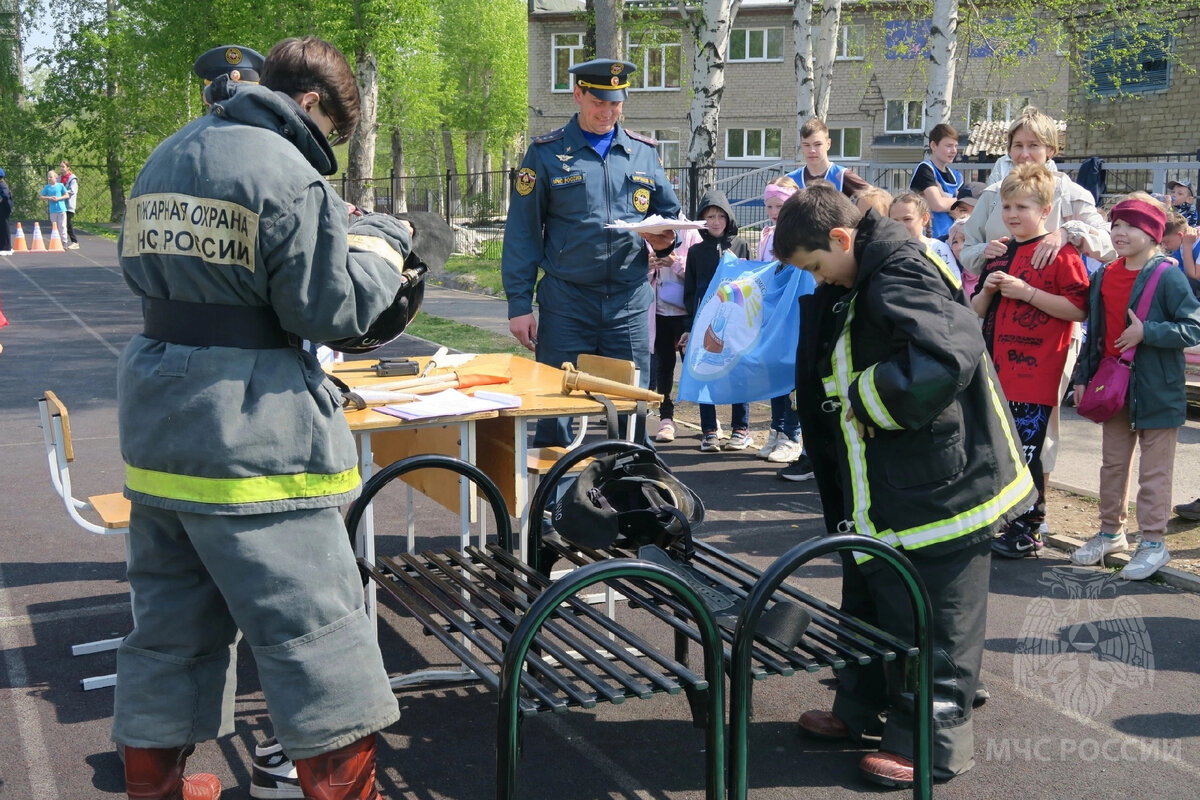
[
  {"x": 942, "y": 131},
  {"x": 813, "y": 125},
  {"x": 295, "y": 66},
  {"x": 808, "y": 216}
]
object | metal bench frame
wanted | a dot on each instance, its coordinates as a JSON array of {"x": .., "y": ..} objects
[{"x": 471, "y": 599}]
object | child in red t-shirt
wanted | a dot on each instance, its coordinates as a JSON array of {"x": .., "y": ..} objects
[{"x": 1027, "y": 317}]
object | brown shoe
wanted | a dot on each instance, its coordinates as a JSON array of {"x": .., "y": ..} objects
[
  {"x": 823, "y": 725},
  {"x": 344, "y": 774},
  {"x": 887, "y": 769},
  {"x": 156, "y": 773}
]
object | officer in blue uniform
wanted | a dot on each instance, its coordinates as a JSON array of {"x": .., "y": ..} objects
[{"x": 593, "y": 296}]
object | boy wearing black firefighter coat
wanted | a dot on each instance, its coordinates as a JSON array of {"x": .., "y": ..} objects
[{"x": 912, "y": 444}]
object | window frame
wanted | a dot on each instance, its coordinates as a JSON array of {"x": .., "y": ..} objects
[
  {"x": 843, "y": 47},
  {"x": 1101, "y": 77},
  {"x": 920, "y": 128},
  {"x": 837, "y": 147},
  {"x": 669, "y": 141},
  {"x": 766, "y": 45},
  {"x": 763, "y": 133},
  {"x": 1012, "y": 106},
  {"x": 645, "y": 67},
  {"x": 572, "y": 50}
]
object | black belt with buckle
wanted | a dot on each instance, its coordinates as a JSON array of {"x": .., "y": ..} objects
[{"x": 214, "y": 325}]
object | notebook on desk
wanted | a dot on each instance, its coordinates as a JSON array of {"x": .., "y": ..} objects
[{"x": 452, "y": 403}]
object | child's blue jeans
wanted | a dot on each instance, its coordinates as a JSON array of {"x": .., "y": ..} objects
[
  {"x": 739, "y": 419},
  {"x": 783, "y": 417}
]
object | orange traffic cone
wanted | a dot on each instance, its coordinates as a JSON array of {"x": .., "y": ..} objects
[
  {"x": 39, "y": 244},
  {"x": 55, "y": 239},
  {"x": 19, "y": 243}
]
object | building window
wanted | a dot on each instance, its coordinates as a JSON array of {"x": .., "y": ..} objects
[
  {"x": 904, "y": 116},
  {"x": 991, "y": 109},
  {"x": 659, "y": 66},
  {"x": 668, "y": 147},
  {"x": 846, "y": 143},
  {"x": 756, "y": 44},
  {"x": 754, "y": 143},
  {"x": 566, "y": 50},
  {"x": 1131, "y": 62},
  {"x": 852, "y": 42}
]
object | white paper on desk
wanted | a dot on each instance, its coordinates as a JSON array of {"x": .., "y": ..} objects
[
  {"x": 452, "y": 403},
  {"x": 656, "y": 223}
]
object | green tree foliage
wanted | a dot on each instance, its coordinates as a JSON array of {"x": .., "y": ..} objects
[{"x": 118, "y": 79}]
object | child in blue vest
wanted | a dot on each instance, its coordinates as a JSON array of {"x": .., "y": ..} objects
[
  {"x": 934, "y": 179},
  {"x": 814, "y": 145}
]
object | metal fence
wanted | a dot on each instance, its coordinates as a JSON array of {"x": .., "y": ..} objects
[{"x": 1123, "y": 173}]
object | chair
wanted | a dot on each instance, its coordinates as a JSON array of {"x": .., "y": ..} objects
[{"x": 112, "y": 509}]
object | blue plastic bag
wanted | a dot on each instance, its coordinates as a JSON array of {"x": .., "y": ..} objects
[{"x": 742, "y": 346}]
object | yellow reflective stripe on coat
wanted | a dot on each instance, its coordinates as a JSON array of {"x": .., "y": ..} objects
[
  {"x": 874, "y": 403},
  {"x": 838, "y": 385},
  {"x": 947, "y": 273},
  {"x": 222, "y": 491}
]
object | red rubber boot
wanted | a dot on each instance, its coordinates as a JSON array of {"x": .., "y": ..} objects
[
  {"x": 156, "y": 773},
  {"x": 345, "y": 774}
]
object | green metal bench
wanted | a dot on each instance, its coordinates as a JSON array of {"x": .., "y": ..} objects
[{"x": 545, "y": 650}]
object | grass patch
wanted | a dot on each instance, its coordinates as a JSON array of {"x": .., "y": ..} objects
[
  {"x": 465, "y": 338},
  {"x": 477, "y": 271},
  {"x": 98, "y": 229}
]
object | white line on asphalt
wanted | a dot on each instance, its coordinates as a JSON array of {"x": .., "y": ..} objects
[
  {"x": 30, "y": 620},
  {"x": 25, "y": 711},
  {"x": 604, "y": 765},
  {"x": 116, "y": 351}
]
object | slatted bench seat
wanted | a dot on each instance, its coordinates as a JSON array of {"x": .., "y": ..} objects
[{"x": 546, "y": 650}]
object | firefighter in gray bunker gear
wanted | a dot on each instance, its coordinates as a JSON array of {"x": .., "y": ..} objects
[{"x": 237, "y": 452}]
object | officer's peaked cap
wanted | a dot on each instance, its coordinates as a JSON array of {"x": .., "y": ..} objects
[
  {"x": 605, "y": 78},
  {"x": 226, "y": 58}
]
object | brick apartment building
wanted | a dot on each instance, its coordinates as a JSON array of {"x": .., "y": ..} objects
[{"x": 876, "y": 107}]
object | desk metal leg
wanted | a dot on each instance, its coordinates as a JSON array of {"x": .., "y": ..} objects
[{"x": 364, "y": 542}]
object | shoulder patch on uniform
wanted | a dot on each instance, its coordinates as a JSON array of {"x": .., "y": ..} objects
[
  {"x": 552, "y": 136},
  {"x": 641, "y": 137}
]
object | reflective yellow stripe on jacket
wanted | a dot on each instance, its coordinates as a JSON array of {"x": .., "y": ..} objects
[
  {"x": 223, "y": 491},
  {"x": 838, "y": 384}
]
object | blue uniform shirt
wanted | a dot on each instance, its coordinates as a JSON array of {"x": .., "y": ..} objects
[{"x": 565, "y": 193}]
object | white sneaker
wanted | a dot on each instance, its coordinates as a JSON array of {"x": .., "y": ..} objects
[
  {"x": 1147, "y": 560},
  {"x": 785, "y": 451},
  {"x": 1096, "y": 548},
  {"x": 6, "y": 252},
  {"x": 666, "y": 431},
  {"x": 772, "y": 439},
  {"x": 73, "y": 246}
]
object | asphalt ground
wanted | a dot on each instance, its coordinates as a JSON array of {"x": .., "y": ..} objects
[{"x": 1093, "y": 680}]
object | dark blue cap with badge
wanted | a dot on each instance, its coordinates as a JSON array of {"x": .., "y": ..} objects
[
  {"x": 225, "y": 59},
  {"x": 605, "y": 78}
]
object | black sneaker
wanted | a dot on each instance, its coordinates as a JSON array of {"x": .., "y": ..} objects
[
  {"x": 799, "y": 470},
  {"x": 1022, "y": 538},
  {"x": 274, "y": 775},
  {"x": 1189, "y": 510}
]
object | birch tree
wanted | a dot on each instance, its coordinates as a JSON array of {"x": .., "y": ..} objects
[
  {"x": 943, "y": 47},
  {"x": 814, "y": 58},
  {"x": 709, "y": 27}
]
